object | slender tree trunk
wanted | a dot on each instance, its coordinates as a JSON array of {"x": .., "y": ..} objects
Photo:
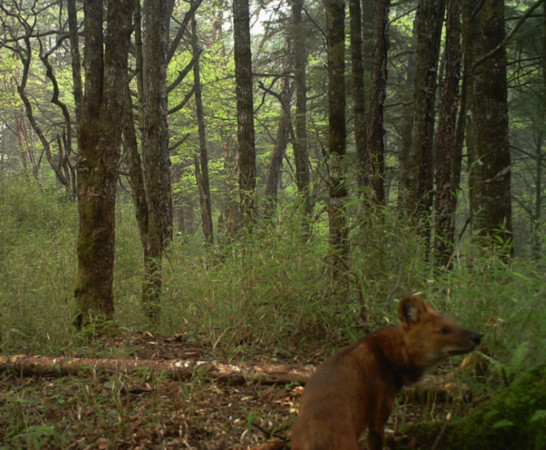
[
  {"x": 487, "y": 125},
  {"x": 368, "y": 13},
  {"x": 445, "y": 201},
  {"x": 418, "y": 187},
  {"x": 539, "y": 155},
  {"x": 536, "y": 239},
  {"x": 204, "y": 186},
  {"x": 337, "y": 136},
  {"x": 245, "y": 112},
  {"x": 233, "y": 207},
  {"x": 76, "y": 60},
  {"x": 359, "y": 111},
  {"x": 407, "y": 118},
  {"x": 134, "y": 165},
  {"x": 281, "y": 142},
  {"x": 301, "y": 157},
  {"x": 378, "y": 92},
  {"x": 99, "y": 141}
]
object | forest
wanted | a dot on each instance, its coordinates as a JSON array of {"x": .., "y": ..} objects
[{"x": 201, "y": 200}]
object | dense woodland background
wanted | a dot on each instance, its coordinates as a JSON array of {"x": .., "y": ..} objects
[
  {"x": 375, "y": 135},
  {"x": 268, "y": 177}
]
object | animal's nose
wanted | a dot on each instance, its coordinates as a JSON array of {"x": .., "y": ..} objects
[{"x": 475, "y": 336}]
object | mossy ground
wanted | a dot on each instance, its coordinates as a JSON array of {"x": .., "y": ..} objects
[{"x": 514, "y": 418}]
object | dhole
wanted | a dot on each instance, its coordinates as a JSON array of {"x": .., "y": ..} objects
[{"x": 355, "y": 388}]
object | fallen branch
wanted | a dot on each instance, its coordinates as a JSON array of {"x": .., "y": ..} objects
[{"x": 179, "y": 369}]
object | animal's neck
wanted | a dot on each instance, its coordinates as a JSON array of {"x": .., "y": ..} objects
[{"x": 396, "y": 357}]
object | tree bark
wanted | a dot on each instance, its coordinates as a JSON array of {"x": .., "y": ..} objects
[
  {"x": 99, "y": 141},
  {"x": 418, "y": 193},
  {"x": 445, "y": 201},
  {"x": 245, "y": 112},
  {"x": 359, "y": 111},
  {"x": 337, "y": 137},
  {"x": 155, "y": 149},
  {"x": 487, "y": 124},
  {"x": 233, "y": 207},
  {"x": 75, "y": 56},
  {"x": 536, "y": 240},
  {"x": 178, "y": 369},
  {"x": 407, "y": 118},
  {"x": 281, "y": 142},
  {"x": 301, "y": 157},
  {"x": 378, "y": 91},
  {"x": 203, "y": 162}
]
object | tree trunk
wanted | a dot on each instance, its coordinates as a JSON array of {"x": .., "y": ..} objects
[
  {"x": 445, "y": 201},
  {"x": 75, "y": 57},
  {"x": 281, "y": 142},
  {"x": 301, "y": 157},
  {"x": 407, "y": 118},
  {"x": 233, "y": 211},
  {"x": 359, "y": 111},
  {"x": 242, "y": 372},
  {"x": 418, "y": 187},
  {"x": 337, "y": 137},
  {"x": 536, "y": 239},
  {"x": 155, "y": 149},
  {"x": 368, "y": 17},
  {"x": 204, "y": 185},
  {"x": 487, "y": 124},
  {"x": 378, "y": 91},
  {"x": 134, "y": 164},
  {"x": 99, "y": 141},
  {"x": 245, "y": 112}
]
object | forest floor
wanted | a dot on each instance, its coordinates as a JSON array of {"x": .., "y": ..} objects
[
  {"x": 142, "y": 408},
  {"x": 145, "y": 408}
]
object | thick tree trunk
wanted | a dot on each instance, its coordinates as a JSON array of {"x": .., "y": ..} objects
[
  {"x": 99, "y": 141},
  {"x": 337, "y": 137},
  {"x": 487, "y": 124},
  {"x": 155, "y": 149},
  {"x": 301, "y": 157},
  {"x": 418, "y": 187},
  {"x": 445, "y": 201},
  {"x": 378, "y": 90},
  {"x": 204, "y": 185},
  {"x": 245, "y": 112}
]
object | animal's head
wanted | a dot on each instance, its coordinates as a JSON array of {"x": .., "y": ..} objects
[{"x": 429, "y": 337}]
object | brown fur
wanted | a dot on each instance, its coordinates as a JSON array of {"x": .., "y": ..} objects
[{"x": 355, "y": 388}]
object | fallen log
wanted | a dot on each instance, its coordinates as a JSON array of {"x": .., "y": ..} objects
[{"x": 266, "y": 373}]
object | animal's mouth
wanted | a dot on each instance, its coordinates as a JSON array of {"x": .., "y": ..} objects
[{"x": 462, "y": 351}]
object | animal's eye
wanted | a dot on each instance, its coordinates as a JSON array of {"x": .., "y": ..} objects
[{"x": 445, "y": 330}]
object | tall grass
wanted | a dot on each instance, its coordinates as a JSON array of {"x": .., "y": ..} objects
[
  {"x": 37, "y": 260},
  {"x": 268, "y": 293}
]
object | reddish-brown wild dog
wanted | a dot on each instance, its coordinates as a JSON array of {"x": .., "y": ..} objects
[{"x": 355, "y": 388}]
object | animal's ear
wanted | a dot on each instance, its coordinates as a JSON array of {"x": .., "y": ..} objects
[{"x": 410, "y": 309}]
